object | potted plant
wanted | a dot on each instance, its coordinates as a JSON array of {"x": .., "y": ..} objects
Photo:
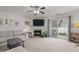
[
  {"x": 44, "y": 34},
  {"x": 63, "y": 34}
]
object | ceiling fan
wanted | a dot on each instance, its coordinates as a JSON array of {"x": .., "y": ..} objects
[{"x": 37, "y": 10}]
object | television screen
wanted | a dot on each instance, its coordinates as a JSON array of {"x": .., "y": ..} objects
[{"x": 38, "y": 22}]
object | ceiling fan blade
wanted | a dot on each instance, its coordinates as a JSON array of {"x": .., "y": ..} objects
[
  {"x": 42, "y": 12},
  {"x": 43, "y": 8},
  {"x": 30, "y": 11},
  {"x": 31, "y": 6}
]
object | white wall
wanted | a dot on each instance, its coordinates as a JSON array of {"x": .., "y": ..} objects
[
  {"x": 75, "y": 19},
  {"x": 11, "y": 24}
]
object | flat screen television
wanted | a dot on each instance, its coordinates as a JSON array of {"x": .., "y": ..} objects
[{"x": 38, "y": 22}]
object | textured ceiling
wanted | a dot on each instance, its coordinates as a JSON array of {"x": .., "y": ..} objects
[{"x": 49, "y": 11}]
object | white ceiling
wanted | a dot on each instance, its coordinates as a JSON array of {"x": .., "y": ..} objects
[{"x": 49, "y": 11}]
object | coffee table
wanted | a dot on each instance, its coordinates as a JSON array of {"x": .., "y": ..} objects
[{"x": 14, "y": 42}]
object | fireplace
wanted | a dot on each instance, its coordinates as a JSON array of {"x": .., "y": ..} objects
[{"x": 37, "y": 32}]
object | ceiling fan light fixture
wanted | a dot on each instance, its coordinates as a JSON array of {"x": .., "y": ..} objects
[{"x": 36, "y": 12}]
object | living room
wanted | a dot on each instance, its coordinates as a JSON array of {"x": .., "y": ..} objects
[{"x": 40, "y": 28}]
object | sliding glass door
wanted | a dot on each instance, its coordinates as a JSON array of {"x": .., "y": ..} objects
[
  {"x": 60, "y": 27},
  {"x": 63, "y": 27}
]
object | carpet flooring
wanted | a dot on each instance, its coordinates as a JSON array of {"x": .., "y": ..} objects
[
  {"x": 47, "y": 45},
  {"x": 50, "y": 45}
]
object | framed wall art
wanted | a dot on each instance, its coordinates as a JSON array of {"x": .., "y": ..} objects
[
  {"x": 1, "y": 21},
  {"x": 27, "y": 23},
  {"x": 6, "y": 21}
]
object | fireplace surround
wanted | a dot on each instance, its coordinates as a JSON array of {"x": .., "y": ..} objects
[{"x": 37, "y": 32}]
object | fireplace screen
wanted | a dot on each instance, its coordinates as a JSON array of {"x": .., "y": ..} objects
[{"x": 37, "y": 33}]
